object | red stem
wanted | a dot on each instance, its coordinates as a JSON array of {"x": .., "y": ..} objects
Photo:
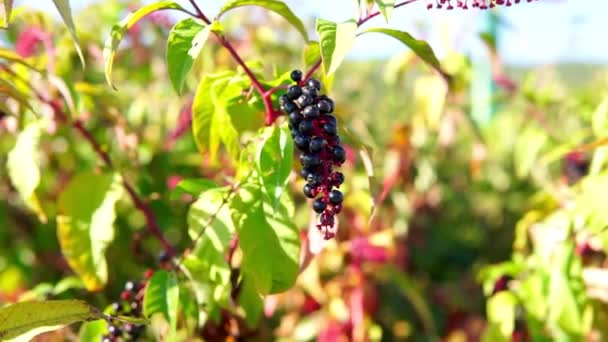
[
  {"x": 151, "y": 222},
  {"x": 270, "y": 113}
]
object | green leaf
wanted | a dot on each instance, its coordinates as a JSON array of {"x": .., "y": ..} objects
[
  {"x": 93, "y": 331},
  {"x": 268, "y": 238},
  {"x": 8, "y": 89},
  {"x": 228, "y": 134},
  {"x": 5, "y": 12},
  {"x": 312, "y": 53},
  {"x": 193, "y": 186},
  {"x": 119, "y": 30},
  {"x": 276, "y": 6},
  {"x": 274, "y": 159},
  {"x": 63, "y": 6},
  {"x": 565, "y": 310},
  {"x": 421, "y": 48},
  {"x": 184, "y": 45},
  {"x": 336, "y": 41},
  {"x": 386, "y": 8},
  {"x": 162, "y": 296},
  {"x": 85, "y": 224},
  {"x": 527, "y": 150},
  {"x": 211, "y": 123},
  {"x": 210, "y": 223},
  {"x": 251, "y": 302},
  {"x": 599, "y": 119},
  {"x": 33, "y": 318},
  {"x": 501, "y": 317},
  {"x": 23, "y": 167}
]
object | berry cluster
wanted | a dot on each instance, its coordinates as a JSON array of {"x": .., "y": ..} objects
[
  {"x": 314, "y": 131},
  {"x": 131, "y": 300},
  {"x": 464, "y": 4}
]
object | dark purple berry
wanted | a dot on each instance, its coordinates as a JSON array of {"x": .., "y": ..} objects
[
  {"x": 294, "y": 91},
  {"x": 304, "y": 100},
  {"x": 316, "y": 144},
  {"x": 289, "y": 107},
  {"x": 306, "y": 127},
  {"x": 319, "y": 206},
  {"x": 106, "y": 338},
  {"x": 330, "y": 119},
  {"x": 296, "y": 75},
  {"x": 294, "y": 131},
  {"x": 325, "y": 106},
  {"x": 302, "y": 142},
  {"x": 163, "y": 257},
  {"x": 310, "y": 91},
  {"x": 311, "y": 112},
  {"x": 305, "y": 171},
  {"x": 314, "y": 179},
  {"x": 339, "y": 154},
  {"x": 295, "y": 118},
  {"x": 336, "y": 197},
  {"x": 313, "y": 82},
  {"x": 330, "y": 129},
  {"x": 337, "y": 178},
  {"x": 308, "y": 191},
  {"x": 116, "y": 307},
  {"x": 310, "y": 160},
  {"x": 114, "y": 330},
  {"x": 283, "y": 99}
]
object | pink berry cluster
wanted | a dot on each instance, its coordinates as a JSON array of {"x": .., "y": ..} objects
[{"x": 464, "y": 4}]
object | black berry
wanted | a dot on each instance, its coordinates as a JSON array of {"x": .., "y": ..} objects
[
  {"x": 163, "y": 257},
  {"x": 289, "y": 107},
  {"x": 114, "y": 330},
  {"x": 339, "y": 154},
  {"x": 304, "y": 100},
  {"x": 310, "y": 91},
  {"x": 337, "y": 178},
  {"x": 305, "y": 171},
  {"x": 311, "y": 112},
  {"x": 308, "y": 191},
  {"x": 330, "y": 119},
  {"x": 325, "y": 106},
  {"x": 310, "y": 160},
  {"x": 319, "y": 206},
  {"x": 306, "y": 126},
  {"x": 330, "y": 129},
  {"x": 296, "y": 75},
  {"x": 302, "y": 142},
  {"x": 295, "y": 118},
  {"x": 294, "y": 91},
  {"x": 313, "y": 82},
  {"x": 336, "y": 197},
  {"x": 316, "y": 144},
  {"x": 314, "y": 179},
  {"x": 283, "y": 99}
]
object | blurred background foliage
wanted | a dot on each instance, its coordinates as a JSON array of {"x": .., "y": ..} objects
[{"x": 483, "y": 229}]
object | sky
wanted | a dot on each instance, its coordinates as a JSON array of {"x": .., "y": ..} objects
[{"x": 538, "y": 33}]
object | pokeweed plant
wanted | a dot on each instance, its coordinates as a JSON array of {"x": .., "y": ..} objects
[{"x": 243, "y": 243}]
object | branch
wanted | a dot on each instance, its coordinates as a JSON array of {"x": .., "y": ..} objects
[
  {"x": 270, "y": 113},
  {"x": 151, "y": 222}
]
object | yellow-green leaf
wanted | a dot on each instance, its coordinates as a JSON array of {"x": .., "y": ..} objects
[
  {"x": 5, "y": 12},
  {"x": 420, "y": 47},
  {"x": 278, "y": 7},
  {"x": 23, "y": 167},
  {"x": 162, "y": 296},
  {"x": 119, "y": 30},
  {"x": 386, "y": 8},
  {"x": 336, "y": 41},
  {"x": 63, "y": 6},
  {"x": 8, "y": 89},
  {"x": 13, "y": 57},
  {"x": 184, "y": 45},
  {"x": 34, "y": 318},
  {"x": 85, "y": 224}
]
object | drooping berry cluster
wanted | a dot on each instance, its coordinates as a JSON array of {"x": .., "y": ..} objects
[
  {"x": 130, "y": 304},
  {"x": 464, "y": 4},
  {"x": 314, "y": 131}
]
